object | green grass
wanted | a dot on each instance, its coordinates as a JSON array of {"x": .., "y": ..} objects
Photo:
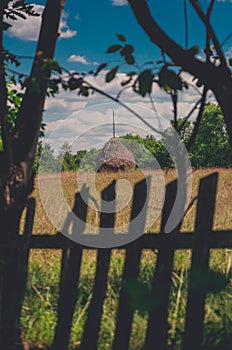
[{"x": 39, "y": 312}]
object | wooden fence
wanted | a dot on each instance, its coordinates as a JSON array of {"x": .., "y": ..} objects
[{"x": 200, "y": 242}]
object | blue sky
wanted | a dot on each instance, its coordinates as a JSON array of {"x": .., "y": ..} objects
[{"x": 87, "y": 29}]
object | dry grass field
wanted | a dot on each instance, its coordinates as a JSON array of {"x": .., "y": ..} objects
[{"x": 223, "y": 211}]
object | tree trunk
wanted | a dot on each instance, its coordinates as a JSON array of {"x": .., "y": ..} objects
[
  {"x": 16, "y": 176},
  {"x": 10, "y": 281}
]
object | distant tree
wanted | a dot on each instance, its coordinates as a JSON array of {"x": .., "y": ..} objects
[
  {"x": 79, "y": 157},
  {"x": 46, "y": 161},
  {"x": 89, "y": 161},
  {"x": 211, "y": 148},
  {"x": 146, "y": 150},
  {"x": 67, "y": 158}
]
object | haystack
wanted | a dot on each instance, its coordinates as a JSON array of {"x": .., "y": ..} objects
[{"x": 115, "y": 157}]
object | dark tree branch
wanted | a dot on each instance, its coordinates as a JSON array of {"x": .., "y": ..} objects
[
  {"x": 186, "y": 23},
  {"x": 185, "y": 119},
  {"x": 3, "y": 99},
  {"x": 216, "y": 78},
  {"x": 115, "y": 99},
  {"x": 174, "y": 98},
  {"x": 181, "y": 57},
  {"x": 197, "y": 122},
  {"x": 205, "y": 20}
]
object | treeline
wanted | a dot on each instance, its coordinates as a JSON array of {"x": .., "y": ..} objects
[{"x": 211, "y": 148}]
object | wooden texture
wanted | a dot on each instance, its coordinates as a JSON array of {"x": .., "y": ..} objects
[
  {"x": 70, "y": 273},
  {"x": 157, "y": 323},
  {"x": 131, "y": 269},
  {"x": 92, "y": 326},
  {"x": 200, "y": 261}
]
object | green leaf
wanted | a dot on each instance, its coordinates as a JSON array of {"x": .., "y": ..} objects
[
  {"x": 111, "y": 74},
  {"x": 113, "y": 48},
  {"x": 100, "y": 67},
  {"x": 121, "y": 38},
  {"x": 230, "y": 61},
  {"x": 169, "y": 80},
  {"x": 5, "y": 25},
  {"x": 129, "y": 59},
  {"x": 84, "y": 91},
  {"x": 194, "y": 50},
  {"x": 126, "y": 81},
  {"x": 199, "y": 83},
  {"x": 74, "y": 84},
  {"x": 145, "y": 80},
  {"x": 127, "y": 50}
]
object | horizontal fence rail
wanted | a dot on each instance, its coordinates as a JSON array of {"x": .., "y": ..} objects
[{"x": 180, "y": 240}]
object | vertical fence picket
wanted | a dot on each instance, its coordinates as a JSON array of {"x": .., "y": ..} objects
[
  {"x": 157, "y": 323},
  {"x": 69, "y": 277},
  {"x": 200, "y": 259},
  {"x": 93, "y": 322},
  {"x": 25, "y": 252},
  {"x": 131, "y": 268}
]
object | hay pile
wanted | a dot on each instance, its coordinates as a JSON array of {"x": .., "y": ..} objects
[{"x": 115, "y": 157}]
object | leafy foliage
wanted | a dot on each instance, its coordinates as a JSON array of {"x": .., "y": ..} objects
[
  {"x": 19, "y": 9},
  {"x": 211, "y": 148}
]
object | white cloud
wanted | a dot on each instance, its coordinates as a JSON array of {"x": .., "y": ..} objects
[
  {"x": 29, "y": 29},
  {"x": 65, "y": 31},
  {"x": 119, "y": 2},
  {"x": 80, "y": 59}
]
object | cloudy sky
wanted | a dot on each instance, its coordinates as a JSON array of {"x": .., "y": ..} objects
[{"x": 87, "y": 29}]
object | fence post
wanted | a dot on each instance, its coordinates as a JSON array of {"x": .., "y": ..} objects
[
  {"x": 131, "y": 268},
  {"x": 156, "y": 335},
  {"x": 69, "y": 277},
  {"x": 200, "y": 259},
  {"x": 93, "y": 323}
]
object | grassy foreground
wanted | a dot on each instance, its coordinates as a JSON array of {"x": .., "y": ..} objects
[{"x": 39, "y": 309}]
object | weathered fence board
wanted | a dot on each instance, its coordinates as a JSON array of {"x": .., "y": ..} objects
[
  {"x": 200, "y": 261},
  {"x": 131, "y": 270},
  {"x": 92, "y": 326},
  {"x": 157, "y": 323},
  {"x": 70, "y": 273}
]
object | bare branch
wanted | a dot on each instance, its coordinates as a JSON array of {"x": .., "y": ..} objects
[
  {"x": 198, "y": 121},
  {"x": 186, "y": 23},
  {"x": 115, "y": 99},
  {"x": 174, "y": 98},
  {"x": 3, "y": 100},
  {"x": 181, "y": 126},
  {"x": 205, "y": 71},
  {"x": 205, "y": 20}
]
